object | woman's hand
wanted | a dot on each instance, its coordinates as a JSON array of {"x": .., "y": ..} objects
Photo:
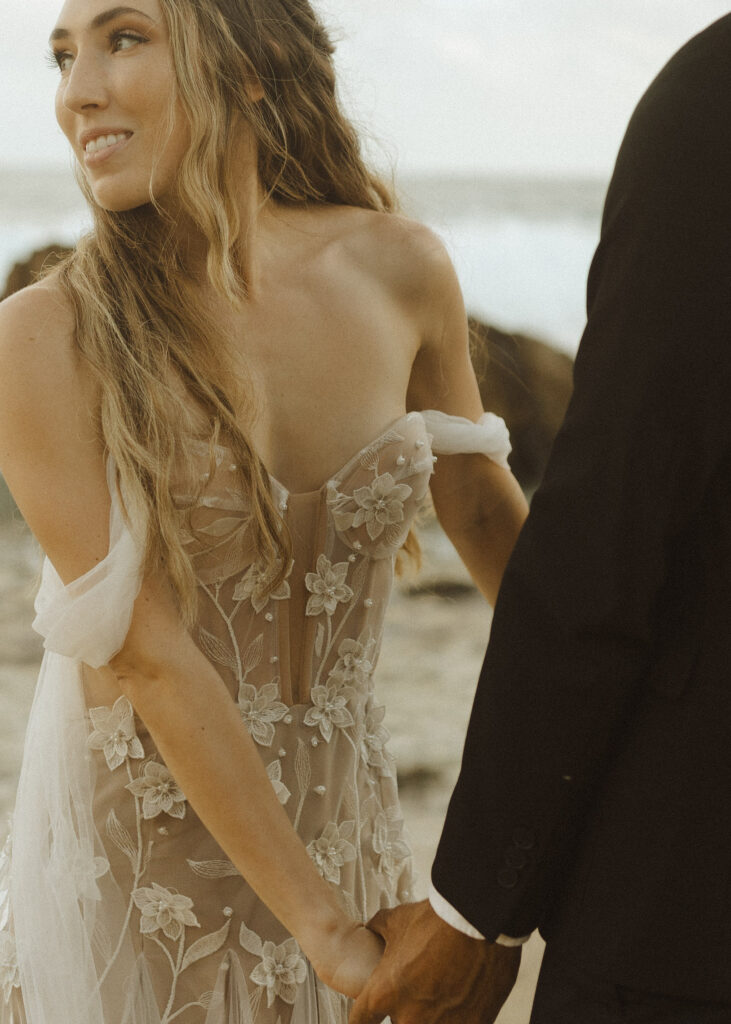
[{"x": 349, "y": 958}]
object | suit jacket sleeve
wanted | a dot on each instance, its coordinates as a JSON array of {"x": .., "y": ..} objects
[{"x": 590, "y": 615}]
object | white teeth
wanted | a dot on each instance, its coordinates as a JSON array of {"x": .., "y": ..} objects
[{"x": 104, "y": 141}]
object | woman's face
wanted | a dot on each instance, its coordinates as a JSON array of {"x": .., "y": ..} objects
[{"x": 114, "y": 99}]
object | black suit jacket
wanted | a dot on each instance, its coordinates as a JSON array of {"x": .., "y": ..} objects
[{"x": 594, "y": 799}]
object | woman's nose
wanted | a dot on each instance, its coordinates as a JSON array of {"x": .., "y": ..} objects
[{"x": 86, "y": 86}]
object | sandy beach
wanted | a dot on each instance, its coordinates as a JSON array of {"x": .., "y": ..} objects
[{"x": 435, "y": 639}]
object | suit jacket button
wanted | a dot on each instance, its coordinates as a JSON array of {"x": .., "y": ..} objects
[
  {"x": 507, "y": 878},
  {"x": 515, "y": 858},
  {"x": 524, "y": 838}
]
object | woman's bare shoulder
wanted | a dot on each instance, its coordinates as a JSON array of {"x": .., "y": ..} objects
[
  {"x": 407, "y": 257},
  {"x": 37, "y": 321},
  {"x": 42, "y": 377}
]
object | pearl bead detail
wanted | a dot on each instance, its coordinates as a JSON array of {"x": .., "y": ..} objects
[
  {"x": 351, "y": 558},
  {"x": 315, "y": 742},
  {"x": 283, "y": 506},
  {"x": 357, "y": 545},
  {"x": 282, "y": 752},
  {"x": 400, "y": 461},
  {"x": 287, "y": 719},
  {"x": 274, "y": 659},
  {"x": 419, "y": 444},
  {"x": 368, "y": 602},
  {"x": 434, "y": 458},
  {"x": 321, "y": 790},
  {"x": 233, "y": 468},
  {"x": 163, "y": 831},
  {"x": 269, "y": 617},
  {"x": 228, "y": 912}
]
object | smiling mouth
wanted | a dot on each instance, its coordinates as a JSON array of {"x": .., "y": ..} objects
[{"x": 105, "y": 142}]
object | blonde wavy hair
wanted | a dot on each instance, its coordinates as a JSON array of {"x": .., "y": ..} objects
[{"x": 139, "y": 320}]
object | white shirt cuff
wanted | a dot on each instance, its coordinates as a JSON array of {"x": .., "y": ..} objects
[{"x": 453, "y": 917}]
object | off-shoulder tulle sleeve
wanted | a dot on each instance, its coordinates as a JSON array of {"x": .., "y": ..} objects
[
  {"x": 455, "y": 435},
  {"x": 88, "y": 619}
]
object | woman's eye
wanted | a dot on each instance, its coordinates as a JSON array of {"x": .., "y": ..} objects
[
  {"x": 58, "y": 60},
  {"x": 125, "y": 40}
]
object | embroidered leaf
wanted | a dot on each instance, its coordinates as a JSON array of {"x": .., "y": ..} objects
[
  {"x": 205, "y": 946},
  {"x": 250, "y": 941},
  {"x": 319, "y": 639},
  {"x": 121, "y": 837},
  {"x": 302, "y": 767},
  {"x": 256, "y": 1000},
  {"x": 369, "y": 458},
  {"x": 220, "y": 527},
  {"x": 359, "y": 575},
  {"x": 213, "y": 868},
  {"x": 254, "y": 653},
  {"x": 215, "y": 649}
]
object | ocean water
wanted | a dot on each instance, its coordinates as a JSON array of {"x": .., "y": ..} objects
[{"x": 522, "y": 246}]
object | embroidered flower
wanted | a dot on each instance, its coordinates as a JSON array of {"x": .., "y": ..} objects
[
  {"x": 9, "y": 976},
  {"x": 255, "y": 586},
  {"x": 389, "y": 845},
  {"x": 274, "y": 771},
  {"x": 332, "y": 849},
  {"x": 381, "y": 504},
  {"x": 114, "y": 733},
  {"x": 83, "y": 869},
  {"x": 330, "y": 709},
  {"x": 281, "y": 970},
  {"x": 374, "y": 740},
  {"x": 159, "y": 791},
  {"x": 260, "y": 709},
  {"x": 354, "y": 666},
  {"x": 164, "y": 908},
  {"x": 327, "y": 586}
]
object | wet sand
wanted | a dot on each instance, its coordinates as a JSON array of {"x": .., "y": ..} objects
[{"x": 435, "y": 639}]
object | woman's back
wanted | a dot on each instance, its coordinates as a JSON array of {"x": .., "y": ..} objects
[{"x": 298, "y": 661}]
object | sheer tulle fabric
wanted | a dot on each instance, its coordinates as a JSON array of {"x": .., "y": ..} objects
[{"x": 116, "y": 906}]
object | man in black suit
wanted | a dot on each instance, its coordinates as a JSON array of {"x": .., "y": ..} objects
[{"x": 594, "y": 800}]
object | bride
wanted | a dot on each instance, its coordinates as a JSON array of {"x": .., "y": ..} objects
[{"x": 219, "y": 417}]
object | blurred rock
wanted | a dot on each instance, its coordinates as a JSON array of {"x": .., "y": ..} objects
[
  {"x": 529, "y": 384},
  {"x": 28, "y": 271}
]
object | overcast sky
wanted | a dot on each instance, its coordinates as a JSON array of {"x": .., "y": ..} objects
[{"x": 533, "y": 86}]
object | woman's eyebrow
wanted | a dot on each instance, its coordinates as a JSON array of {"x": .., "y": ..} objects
[{"x": 99, "y": 21}]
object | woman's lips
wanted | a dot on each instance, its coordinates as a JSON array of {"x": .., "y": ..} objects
[{"x": 101, "y": 155}]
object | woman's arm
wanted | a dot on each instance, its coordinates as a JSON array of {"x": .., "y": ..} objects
[
  {"x": 53, "y": 462},
  {"x": 479, "y": 504}
]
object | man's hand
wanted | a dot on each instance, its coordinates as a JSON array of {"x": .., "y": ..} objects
[{"x": 433, "y": 974}]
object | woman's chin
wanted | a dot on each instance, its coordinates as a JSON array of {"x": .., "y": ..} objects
[{"x": 118, "y": 197}]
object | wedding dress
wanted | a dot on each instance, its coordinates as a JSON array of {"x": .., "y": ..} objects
[{"x": 116, "y": 904}]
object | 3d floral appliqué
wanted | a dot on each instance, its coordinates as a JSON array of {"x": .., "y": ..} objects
[
  {"x": 332, "y": 850},
  {"x": 329, "y": 709},
  {"x": 159, "y": 791},
  {"x": 281, "y": 970},
  {"x": 377, "y": 505},
  {"x": 260, "y": 709},
  {"x": 164, "y": 909},
  {"x": 327, "y": 586},
  {"x": 114, "y": 733},
  {"x": 255, "y": 586}
]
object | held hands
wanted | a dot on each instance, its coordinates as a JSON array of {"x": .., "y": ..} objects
[
  {"x": 433, "y": 974},
  {"x": 347, "y": 959}
]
